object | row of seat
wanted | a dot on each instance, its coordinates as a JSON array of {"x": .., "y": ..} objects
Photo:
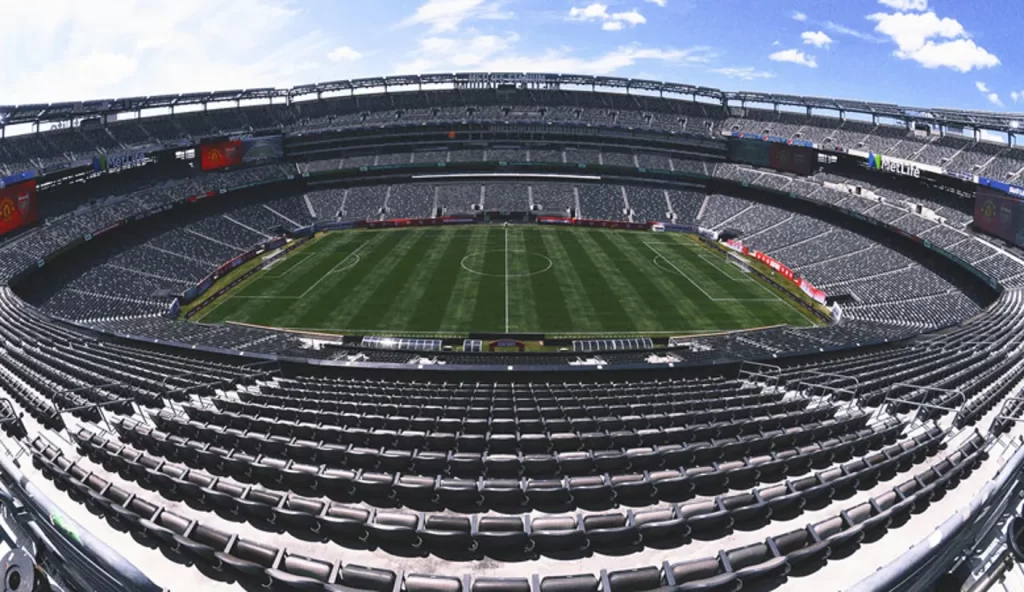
[
  {"x": 729, "y": 570},
  {"x": 618, "y": 401},
  {"x": 420, "y": 416},
  {"x": 673, "y": 484},
  {"x": 217, "y": 444},
  {"x": 510, "y": 437},
  {"x": 563, "y": 532}
]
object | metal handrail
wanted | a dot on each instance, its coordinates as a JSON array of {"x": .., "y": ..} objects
[
  {"x": 79, "y": 558},
  {"x": 958, "y": 410},
  {"x": 768, "y": 373}
]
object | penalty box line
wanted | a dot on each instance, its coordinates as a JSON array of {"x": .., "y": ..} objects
[
  {"x": 329, "y": 272},
  {"x": 699, "y": 287}
]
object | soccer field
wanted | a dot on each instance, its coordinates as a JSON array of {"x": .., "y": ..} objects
[{"x": 560, "y": 281}]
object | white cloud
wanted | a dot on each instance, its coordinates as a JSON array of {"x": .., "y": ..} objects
[
  {"x": 816, "y": 38},
  {"x": 445, "y": 16},
  {"x": 799, "y": 16},
  {"x": 906, "y": 4},
  {"x": 989, "y": 95},
  {"x": 138, "y": 47},
  {"x": 794, "y": 56},
  {"x": 1015, "y": 96},
  {"x": 344, "y": 53},
  {"x": 743, "y": 73},
  {"x": 844, "y": 30},
  {"x": 611, "y": 21},
  {"x": 933, "y": 42},
  {"x": 661, "y": 3},
  {"x": 776, "y": 43},
  {"x": 501, "y": 54}
]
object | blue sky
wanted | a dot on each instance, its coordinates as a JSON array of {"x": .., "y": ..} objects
[{"x": 933, "y": 53}]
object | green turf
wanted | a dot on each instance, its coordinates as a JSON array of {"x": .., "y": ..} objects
[{"x": 555, "y": 280}]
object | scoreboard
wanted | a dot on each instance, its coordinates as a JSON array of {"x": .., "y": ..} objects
[
  {"x": 778, "y": 155},
  {"x": 999, "y": 214}
]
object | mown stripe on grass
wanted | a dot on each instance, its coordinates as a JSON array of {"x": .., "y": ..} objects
[
  {"x": 651, "y": 306},
  {"x": 428, "y": 314},
  {"x": 489, "y": 308},
  {"x": 610, "y": 297},
  {"x": 457, "y": 312},
  {"x": 523, "y": 263},
  {"x": 555, "y": 289},
  {"x": 377, "y": 293},
  {"x": 421, "y": 287},
  {"x": 676, "y": 305}
]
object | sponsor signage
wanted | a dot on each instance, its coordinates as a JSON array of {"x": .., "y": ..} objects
[
  {"x": 487, "y": 80},
  {"x": 18, "y": 206},
  {"x": 16, "y": 178},
  {"x": 810, "y": 290},
  {"x": 774, "y": 264},
  {"x": 114, "y": 162},
  {"x": 895, "y": 166}
]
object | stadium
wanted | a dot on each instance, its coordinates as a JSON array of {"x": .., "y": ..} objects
[{"x": 491, "y": 332}]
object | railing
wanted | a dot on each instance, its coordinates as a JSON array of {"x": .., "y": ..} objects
[
  {"x": 67, "y": 552},
  {"x": 768, "y": 374},
  {"x": 891, "y": 399},
  {"x": 839, "y": 386},
  {"x": 943, "y": 550}
]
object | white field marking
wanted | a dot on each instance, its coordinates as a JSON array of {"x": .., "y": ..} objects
[
  {"x": 458, "y": 332},
  {"x": 506, "y": 279},
  {"x": 305, "y": 253},
  {"x": 722, "y": 299},
  {"x": 698, "y": 286},
  {"x": 289, "y": 259},
  {"x": 484, "y": 253},
  {"x": 337, "y": 269},
  {"x": 711, "y": 260},
  {"x": 240, "y": 297},
  {"x": 331, "y": 270},
  {"x": 679, "y": 271}
]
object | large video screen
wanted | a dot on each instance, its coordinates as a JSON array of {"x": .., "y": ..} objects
[
  {"x": 753, "y": 152},
  {"x": 18, "y": 206},
  {"x": 262, "y": 148},
  {"x": 218, "y": 155},
  {"x": 780, "y": 156},
  {"x": 998, "y": 213},
  {"x": 798, "y": 160}
]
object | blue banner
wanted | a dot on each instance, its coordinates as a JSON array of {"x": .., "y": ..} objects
[
  {"x": 16, "y": 178},
  {"x": 1013, "y": 190}
]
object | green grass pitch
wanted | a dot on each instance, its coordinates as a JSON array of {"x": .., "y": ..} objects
[{"x": 560, "y": 281}]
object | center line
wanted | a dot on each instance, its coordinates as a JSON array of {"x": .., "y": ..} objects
[{"x": 506, "y": 279}]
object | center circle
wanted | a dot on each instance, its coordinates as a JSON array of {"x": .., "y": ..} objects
[{"x": 478, "y": 263}]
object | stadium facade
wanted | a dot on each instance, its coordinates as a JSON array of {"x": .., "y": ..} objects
[{"x": 877, "y": 450}]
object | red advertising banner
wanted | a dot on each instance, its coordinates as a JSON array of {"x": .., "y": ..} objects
[
  {"x": 220, "y": 154},
  {"x": 18, "y": 206},
  {"x": 736, "y": 245},
  {"x": 776, "y": 265},
  {"x": 810, "y": 290}
]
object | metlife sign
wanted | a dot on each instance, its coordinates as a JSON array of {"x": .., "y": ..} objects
[
  {"x": 895, "y": 166},
  {"x": 115, "y": 162},
  {"x": 494, "y": 79}
]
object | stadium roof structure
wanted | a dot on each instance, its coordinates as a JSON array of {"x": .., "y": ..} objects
[{"x": 41, "y": 112}]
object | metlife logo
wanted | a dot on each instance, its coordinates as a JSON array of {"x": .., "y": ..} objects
[{"x": 894, "y": 166}]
